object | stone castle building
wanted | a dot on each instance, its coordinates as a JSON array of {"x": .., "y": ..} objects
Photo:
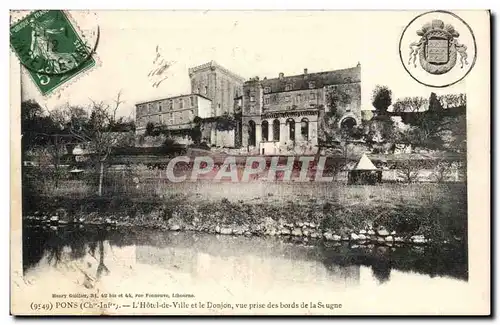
[
  {"x": 213, "y": 89},
  {"x": 280, "y": 115},
  {"x": 173, "y": 112},
  {"x": 218, "y": 84}
]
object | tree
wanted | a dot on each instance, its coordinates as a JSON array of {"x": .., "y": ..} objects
[
  {"x": 336, "y": 97},
  {"x": 442, "y": 171},
  {"x": 149, "y": 129},
  {"x": 195, "y": 132},
  {"x": 95, "y": 133},
  {"x": 117, "y": 103},
  {"x": 453, "y": 100},
  {"x": 328, "y": 120},
  {"x": 409, "y": 170},
  {"x": 36, "y": 126},
  {"x": 409, "y": 104},
  {"x": 435, "y": 104},
  {"x": 381, "y": 99}
]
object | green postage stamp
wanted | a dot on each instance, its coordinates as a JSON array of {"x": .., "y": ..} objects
[{"x": 48, "y": 45}]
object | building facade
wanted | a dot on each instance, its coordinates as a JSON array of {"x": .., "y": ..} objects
[
  {"x": 218, "y": 84},
  {"x": 280, "y": 115},
  {"x": 213, "y": 92},
  {"x": 174, "y": 112}
]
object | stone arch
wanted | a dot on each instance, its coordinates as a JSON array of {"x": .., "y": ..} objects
[
  {"x": 276, "y": 130},
  {"x": 291, "y": 128},
  {"x": 251, "y": 133},
  {"x": 304, "y": 128},
  {"x": 348, "y": 122},
  {"x": 265, "y": 131}
]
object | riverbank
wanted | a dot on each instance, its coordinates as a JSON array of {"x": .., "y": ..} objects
[{"x": 385, "y": 214}]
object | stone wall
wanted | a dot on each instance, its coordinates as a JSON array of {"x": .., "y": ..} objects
[{"x": 218, "y": 84}]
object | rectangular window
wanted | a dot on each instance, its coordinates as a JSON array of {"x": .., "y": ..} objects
[
  {"x": 192, "y": 101},
  {"x": 267, "y": 90},
  {"x": 266, "y": 100},
  {"x": 312, "y": 96},
  {"x": 159, "y": 107},
  {"x": 288, "y": 87},
  {"x": 181, "y": 103},
  {"x": 299, "y": 98},
  {"x": 206, "y": 90},
  {"x": 287, "y": 98},
  {"x": 252, "y": 98}
]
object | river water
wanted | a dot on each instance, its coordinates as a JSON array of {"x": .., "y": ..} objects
[{"x": 218, "y": 269}]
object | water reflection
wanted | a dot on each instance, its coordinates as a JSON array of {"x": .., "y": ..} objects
[{"x": 257, "y": 262}]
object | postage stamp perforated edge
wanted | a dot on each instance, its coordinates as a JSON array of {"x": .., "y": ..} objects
[{"x": 75, "y": 76}]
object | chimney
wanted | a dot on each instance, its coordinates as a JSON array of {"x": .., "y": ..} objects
[
  {"x": 305, "y": 71},
  {"x": 282, "y": 75}
]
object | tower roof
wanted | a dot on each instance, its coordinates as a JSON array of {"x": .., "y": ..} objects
[
  {"x": 312, "y": 80},
  {"x": 365, "y": 164}
]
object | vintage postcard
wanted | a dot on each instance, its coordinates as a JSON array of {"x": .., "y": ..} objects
[{"x": 250, "y": 162}]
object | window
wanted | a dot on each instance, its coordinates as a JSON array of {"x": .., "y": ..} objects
[
  {"x": 267, "y": 90},
  {"x": 206, "y": 90},
  {"x": 288, "y": 87},
  {"x": 191, "y": 101},
  {"x": 299, "y": 98},
  {"x": 161, "y": 119},
  {"x": 276, "y": 130},
  {"x": 291, "y": 129},
  {"x": 304, "y": 129},
  {"x": 252, "y": 98},
  {"x": 312, "y": 96},
  {"x": 170, "y": 104},
  {"x": 266, "y": 100},
  {"x": 198, "y": 90},
  {"x": 287, "y": 98},
  {"x": 265, "y": 131},
  {"x": 251, "y": 133},
  {"x": 181, "y": 103},
  {"x": 312, "y": 84},
  {"x": 159, "y": 107}
]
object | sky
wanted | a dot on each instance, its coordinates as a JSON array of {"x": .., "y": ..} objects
[{"x": 260, "y": 43}]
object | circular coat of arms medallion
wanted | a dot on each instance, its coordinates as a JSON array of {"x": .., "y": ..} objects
[{"x": 437, "y": 48}]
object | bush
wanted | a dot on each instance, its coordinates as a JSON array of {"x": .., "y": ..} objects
[{"x": 202, "y": 145}]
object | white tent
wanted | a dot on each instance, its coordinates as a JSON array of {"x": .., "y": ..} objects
[{"x": 365, "y": 164}]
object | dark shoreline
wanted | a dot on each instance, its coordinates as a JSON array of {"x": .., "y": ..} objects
[{"x": 298, "y": 233}]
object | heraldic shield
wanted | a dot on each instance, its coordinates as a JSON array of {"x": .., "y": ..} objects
[{"x": 437, "y": 49}]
